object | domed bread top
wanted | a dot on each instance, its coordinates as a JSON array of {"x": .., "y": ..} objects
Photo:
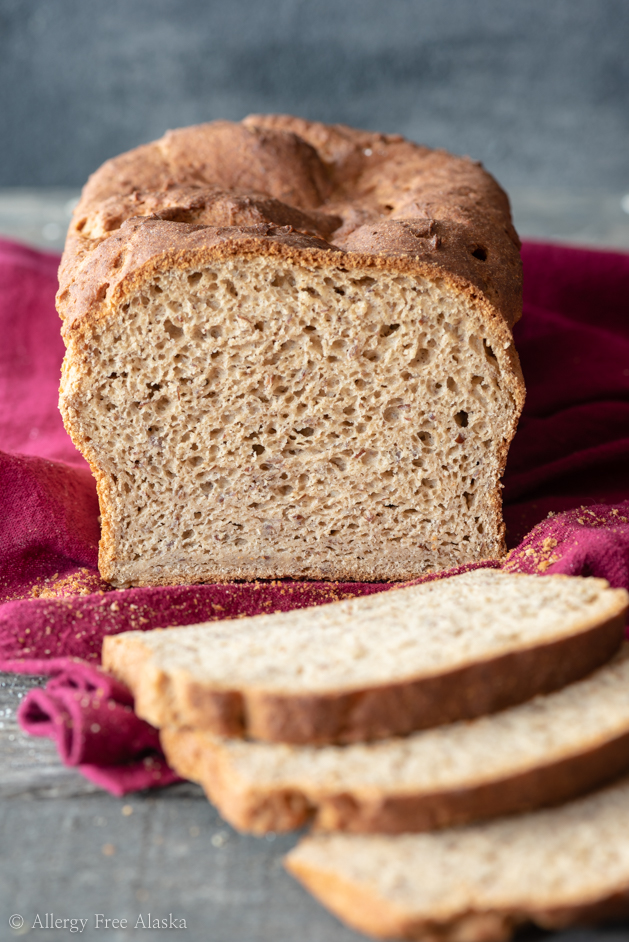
[
  {"x": 380, "y": 200},
  {"x": 289, "y": 354}
]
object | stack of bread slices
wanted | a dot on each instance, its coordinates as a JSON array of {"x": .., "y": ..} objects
[{"x": 461, "y": 746}]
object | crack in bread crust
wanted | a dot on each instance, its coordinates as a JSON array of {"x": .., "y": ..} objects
[{"x": 289, "y": 353}]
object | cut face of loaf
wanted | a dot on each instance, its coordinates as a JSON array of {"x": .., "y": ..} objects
[
  {"x": 556, "y": 868},
  {"x": 539, "y": 753},
  {"x": 311, "y": 377},
  {"x": 263, "y": 416},
  {"x": 376, "y": 666}
]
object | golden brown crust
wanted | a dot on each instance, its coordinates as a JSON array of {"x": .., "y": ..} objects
[
  {"x": 261, "y": 808},
  {"x": 612, "y": 907},
  {"x": 365, "y": 911},
  {"x": 187, "y": 752},
  {"x": 393, "y": 199},
  {"x": 358, "y": 716},
  {"x": 122, "y": 263},
  {"x": 358, "y": 906},
  {"x": 314, "y": 195},
  {"x": 354, "y": 904}
]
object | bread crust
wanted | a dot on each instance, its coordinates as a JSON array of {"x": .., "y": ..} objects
[
  {"x": 311, "y": 195},
  {"x": 444, "y": 207},
  {"x": 177, "y": 699},
  {"x": 367, "y": 912},
  {"x": 261, "y": 808},
  {"x": 357, "y": 907}
]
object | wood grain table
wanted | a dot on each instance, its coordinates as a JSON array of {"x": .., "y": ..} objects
[{"x": 70, "y": 850}]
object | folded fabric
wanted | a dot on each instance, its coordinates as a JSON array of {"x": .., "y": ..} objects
[
  {"x": 88, "y": 714},
  {"x": 572, "y": 443},
  {"x": 571, "y": 453},
  {"x": 90, "y": 717},
  {"x": 30, "y": 356}
]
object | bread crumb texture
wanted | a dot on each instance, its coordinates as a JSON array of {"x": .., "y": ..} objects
[
  {"x": 477, "y": 884},
  {"x": 512, "y": 760},
  {"x": 289, "y": 354},
  {"x": 376, "y": 666},
  {"x": 423, "y": 630}
]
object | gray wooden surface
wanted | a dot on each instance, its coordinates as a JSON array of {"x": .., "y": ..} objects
[{"x": 69, "y": 849}]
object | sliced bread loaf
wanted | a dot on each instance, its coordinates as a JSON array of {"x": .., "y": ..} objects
[
  {"x": 289, "y": 353},
  {"x": 539, "y": 753},
  {"x": 477, "y": 884},
  {"x": 376, "y": 666}
]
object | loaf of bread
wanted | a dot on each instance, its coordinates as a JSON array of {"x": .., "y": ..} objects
[
  {"x": 555, "y": 868},
  {"x": 540, "y": 753},
  {"x": 289, "y": 354},
  {"x": 377, "y": 666}
]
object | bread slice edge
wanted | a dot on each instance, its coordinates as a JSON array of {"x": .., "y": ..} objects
[
  {"x": 360, "y": 907},
  {"x": 177, "y": 698},
  {"x": 258, "y": 808}
]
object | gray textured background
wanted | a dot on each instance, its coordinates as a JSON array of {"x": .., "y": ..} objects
[{"x": 537, "y": 89}]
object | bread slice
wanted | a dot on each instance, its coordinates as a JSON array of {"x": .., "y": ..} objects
[
  {"x": 376, "y": 666},
  {"x": 289, "y": 354},
  {"x": 540, "y": 753},
  {"x": 555, "y": 868}
]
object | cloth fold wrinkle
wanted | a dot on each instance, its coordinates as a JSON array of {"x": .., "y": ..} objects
[
  {"x": 566, "y": 500},
  {"x": 89, "y": 716}
]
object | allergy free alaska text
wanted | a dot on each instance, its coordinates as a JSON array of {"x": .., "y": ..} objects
[{"x": 100, "y": 921}]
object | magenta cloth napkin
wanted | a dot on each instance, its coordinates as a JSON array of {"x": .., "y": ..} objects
[
  {"x": 569, "y": 459},
  {"x": 572, "y": 444},
  {"x": 90, "y": 717}
]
